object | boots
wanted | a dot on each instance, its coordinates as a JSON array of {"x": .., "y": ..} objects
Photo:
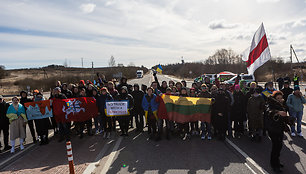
[{"x": 13, "y": 146}]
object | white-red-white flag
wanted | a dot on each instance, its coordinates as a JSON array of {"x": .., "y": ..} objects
[{"x": 259, "y": 52}]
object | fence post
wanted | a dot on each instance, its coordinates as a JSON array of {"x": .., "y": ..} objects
[{"x": 70, "y": 157}]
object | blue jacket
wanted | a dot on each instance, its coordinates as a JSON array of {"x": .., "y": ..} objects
[
  {"x": 146, "y": 104},
  {"x": 295, "y": 103}
]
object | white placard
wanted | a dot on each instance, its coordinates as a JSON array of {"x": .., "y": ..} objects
[{"x": 117, "y": 108}]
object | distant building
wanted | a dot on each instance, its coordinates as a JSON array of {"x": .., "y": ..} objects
[{"x": 120, "y": 65}]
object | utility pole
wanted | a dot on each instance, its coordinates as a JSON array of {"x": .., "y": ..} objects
[
  {"x": 93, "y": 71},
  {"x": 82, "y": 62},
  {"x": 301, "y": 69}
]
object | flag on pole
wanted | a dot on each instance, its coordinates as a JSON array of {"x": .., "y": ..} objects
[
  {"x": 159, "y": 69},
  {"x": 259, "y": 52}
]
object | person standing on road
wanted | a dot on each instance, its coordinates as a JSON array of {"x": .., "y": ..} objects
[
  {"x": 163, "y": 115},
  {"x": 194, "y": 126},
  {"x": 42, "y": 125},
  {"x": 106, "y": 121},
  {"x": 220, "y": 110},
  {"x": 150, "y": 107},
  {"x": 97, "y": 119},
  {"x": 205, "y": 126},
  {"x": 24, "y": 99},
  {"x": 255, "y": 109},
  {"x": 277, "y": 120},
  {"x": 296, "y": 102},
  {"x": 64, "y": 128},
  {"x": 124, "y": 120},
  {"x": 238, "y": 111},
  {"x": 4, "y": 123},
  {"x": 138, "y": 112},
  {"x": 17, "y": 117},
  {"x": 184, "y": 128},
  {"x": 114, "y": 93}
]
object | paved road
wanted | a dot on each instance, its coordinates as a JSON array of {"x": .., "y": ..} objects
[{"x": 137, "y": 154}]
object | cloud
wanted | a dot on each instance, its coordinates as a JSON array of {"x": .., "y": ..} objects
[
  {"x": 88, "y": 8},
  {"x": 221, "y": 24},
  {"x": 267, "y": 1}
]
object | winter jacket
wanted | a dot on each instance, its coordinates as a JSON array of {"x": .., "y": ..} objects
[
  {"x": 101, "y": 100},
  {"x": 238, "y": 108},
  {"x": 275, "y": 122},
  {"x": 286, "y": 92},
  {"x": 4, "y": 121},
  {"x": 255, "y": 110},
  {"x": 138, "y": 96},
  {"x": 12, "y": 114},
  {"x": 295, "y": 103}
]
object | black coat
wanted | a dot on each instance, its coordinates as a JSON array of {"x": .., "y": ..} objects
[
  {"x": 238, "y": 110},
  {"x": 275, "y": 122},
  {"x": 287, "y": 92},
  {"x": 4, "y": 121},
  {"x": 138, "y": 96},
  {"x": 101, "y": 100},
  {"x": 220, "y": 105}
]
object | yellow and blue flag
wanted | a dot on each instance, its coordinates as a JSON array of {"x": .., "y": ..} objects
[{"x": 159, "y": 69}]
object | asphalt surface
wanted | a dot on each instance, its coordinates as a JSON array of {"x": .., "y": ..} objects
[{"x": 137, "y": 154}]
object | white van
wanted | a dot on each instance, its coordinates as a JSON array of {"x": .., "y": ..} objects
[{"x": 139, "y": 73}]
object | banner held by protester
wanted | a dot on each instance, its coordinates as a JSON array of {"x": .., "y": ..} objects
[
  {"x": 38, "y": 110},
  {"x": 187, "y": 109},
  {"x": 116, "y": 108},
  {"x": 75, "y": 109}
]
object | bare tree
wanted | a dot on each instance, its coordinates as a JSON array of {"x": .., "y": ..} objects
[
  {"x": 65, "y": 63},
  {"x": 112, "y": 62}
]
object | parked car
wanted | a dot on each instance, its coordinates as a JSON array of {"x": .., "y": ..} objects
[{"x": 247, "y": 77}]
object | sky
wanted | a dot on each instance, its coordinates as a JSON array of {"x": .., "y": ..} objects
[{"x": 36, "y": 33}]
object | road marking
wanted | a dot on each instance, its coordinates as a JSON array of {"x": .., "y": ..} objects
[
  {"x": 111, "y": 157},
  {"x": 92, "y": 166},
  {"x": 250, "y": 168},
  {"x": 137, "y": 136},
  {"x": 246, "y": 157},
  {"x": 28, "y": 147}
]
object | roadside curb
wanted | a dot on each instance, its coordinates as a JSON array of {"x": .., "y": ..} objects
[{"x": 16, "y": 156}]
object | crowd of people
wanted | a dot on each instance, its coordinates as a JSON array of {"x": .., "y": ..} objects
[{"x": 238, "y": 109}]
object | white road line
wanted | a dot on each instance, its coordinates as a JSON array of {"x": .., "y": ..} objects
[
  {"x": 23, "y": 151},
  {"x": 137, "y": 136},
  {"x": 246, "y": 157},
  {"x": 111, "y": 156},
  {"x": 250, "y": 168},
  {"x": 92, "y": 166}
]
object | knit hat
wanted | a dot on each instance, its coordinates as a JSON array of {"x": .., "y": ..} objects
[{"x": 296, "y": 87}]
